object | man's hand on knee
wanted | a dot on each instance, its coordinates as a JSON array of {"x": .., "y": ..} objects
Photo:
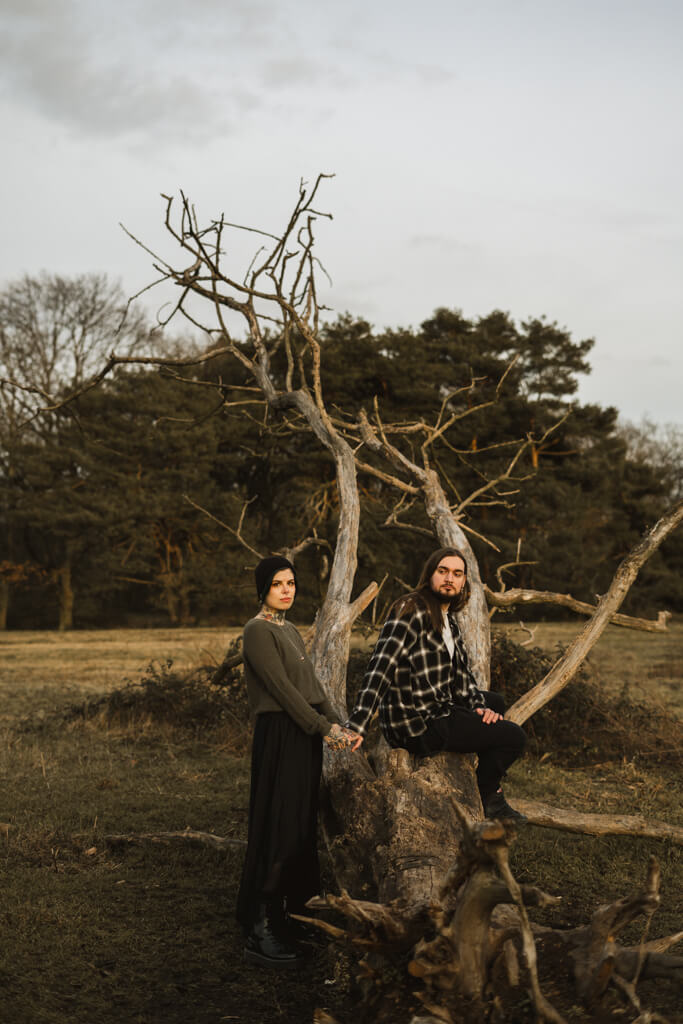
[{"x": 488, "y": 715}]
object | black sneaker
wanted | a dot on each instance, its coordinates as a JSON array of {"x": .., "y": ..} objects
[{"x": 496, "y": 806}]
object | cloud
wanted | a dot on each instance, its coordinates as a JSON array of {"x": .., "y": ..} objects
[
  {"x": 166, "y": 72},
  {"x": 162, "y": 72}
]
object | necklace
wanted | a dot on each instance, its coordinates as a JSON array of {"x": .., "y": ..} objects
[{"x": 300, "y": 656}]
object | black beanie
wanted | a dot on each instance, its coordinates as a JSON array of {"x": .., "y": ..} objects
[{"x": 266, "y": 569}]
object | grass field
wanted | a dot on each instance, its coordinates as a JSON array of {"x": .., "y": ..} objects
[
  {"x": 49, "y": 666},
  {"x": 41, "y": 669},
  {"x": 96, "y": 934}
]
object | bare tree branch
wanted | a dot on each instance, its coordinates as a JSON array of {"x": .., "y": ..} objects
[
  {"x": 236, "y": 533},
  {"x": 516, "y": 596},
  {"x": 440, "y": 428},
  {"x": 531, "y": 632},
  {"x": 565, "y": 669},
  {"x": 507, "y": 472},
  {"x": 598, "y": 824},
  {"x": 387, "y": 478},
  {"x": 314, "y": 541}
]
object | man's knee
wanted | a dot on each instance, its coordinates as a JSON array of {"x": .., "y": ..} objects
[{"x": 517, "y": 737}]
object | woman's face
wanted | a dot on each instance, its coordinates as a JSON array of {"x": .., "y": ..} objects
[{"x": 280, "y": 597}]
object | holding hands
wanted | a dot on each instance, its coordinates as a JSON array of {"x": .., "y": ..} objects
[{"x": 338, "y": 738}]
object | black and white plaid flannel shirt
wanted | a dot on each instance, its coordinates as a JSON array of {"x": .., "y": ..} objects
[{"x": 413, "y": 678}]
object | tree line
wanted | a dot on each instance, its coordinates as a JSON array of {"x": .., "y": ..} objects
[{"x": 146, "y": 500}]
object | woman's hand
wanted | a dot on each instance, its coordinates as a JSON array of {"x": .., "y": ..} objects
[
  {"x": 489, "y": 716},
  {"x": 338, "y": 738}
]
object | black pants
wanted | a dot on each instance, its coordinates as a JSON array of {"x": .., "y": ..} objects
[
  {"x": 281, "y": 861},
  {"x": 497, "y": 744}
]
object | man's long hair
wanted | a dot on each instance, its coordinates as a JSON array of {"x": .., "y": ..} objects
[{"x": 424, "y": 596}]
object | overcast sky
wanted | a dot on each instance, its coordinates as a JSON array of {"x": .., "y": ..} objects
[{"x": 523, "y": 155}]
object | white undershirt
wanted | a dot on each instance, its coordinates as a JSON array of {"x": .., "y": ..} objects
[{"x": 448, "y": 633}]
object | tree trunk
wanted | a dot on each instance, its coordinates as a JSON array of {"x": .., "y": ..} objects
[
  {"x": 390, "y": 824},
  {"x": 167, "y": 581},
  {"x": 331, "y": 643},
  {"x": 4, "y": 603},
  {"x": 388, "y": 818},
  {"x": 66, "y": 596},
  {"x": 474, "y": 618}
]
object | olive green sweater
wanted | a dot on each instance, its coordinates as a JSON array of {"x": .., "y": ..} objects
[{"x": 280, "y": 676}]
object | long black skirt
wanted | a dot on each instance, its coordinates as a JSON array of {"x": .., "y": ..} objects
[{"x": 282, "y": 847}]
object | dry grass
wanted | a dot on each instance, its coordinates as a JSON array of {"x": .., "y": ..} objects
[
  {"x": 40, "y": 668},
  {"x": 36, "y": 664}
]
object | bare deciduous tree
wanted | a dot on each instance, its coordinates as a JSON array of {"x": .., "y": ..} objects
[{"x": 55, "y": 333}]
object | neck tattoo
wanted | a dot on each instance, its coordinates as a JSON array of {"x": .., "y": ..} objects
[{"x": 275, "y": 615}]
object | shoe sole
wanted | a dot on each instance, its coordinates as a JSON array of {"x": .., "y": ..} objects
[{"x": 264, "y": 961}]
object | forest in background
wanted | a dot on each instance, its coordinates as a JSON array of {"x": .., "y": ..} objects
[{"x": 99, "y": 515}]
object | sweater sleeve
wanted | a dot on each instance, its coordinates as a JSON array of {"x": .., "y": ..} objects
[
  {"x": 261, "y": 651},
  {"x": 328, "y": 711},
  {"x": 397, "y": 635}
]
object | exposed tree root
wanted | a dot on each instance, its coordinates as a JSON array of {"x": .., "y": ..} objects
[
  {"x": 450, "y": 946},
  {"x": 597, "y": 958},
  {"x": 453, "y": 948}
]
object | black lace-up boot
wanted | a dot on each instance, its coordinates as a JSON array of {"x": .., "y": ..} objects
[
  {"x": 496, "y": 806},
  {"x": 268, "y": 943}
]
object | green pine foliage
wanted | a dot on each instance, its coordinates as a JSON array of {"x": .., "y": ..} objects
[{"x": 97, "y": 528}]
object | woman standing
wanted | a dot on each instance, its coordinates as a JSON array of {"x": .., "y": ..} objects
[{"x": 293, "y": 717}]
